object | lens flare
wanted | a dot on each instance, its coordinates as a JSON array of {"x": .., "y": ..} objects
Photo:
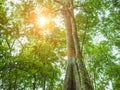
[{"x": 41, "y": 21}]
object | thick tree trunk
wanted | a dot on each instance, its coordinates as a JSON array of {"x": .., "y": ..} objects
[
  {"x": 69, "y": 79},
  {"x": 77, "y": 77},
  {"x": 84, "y": 74},
  {"x": 72, "y": 78}
]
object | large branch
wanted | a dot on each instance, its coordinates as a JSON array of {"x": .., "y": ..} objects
[{"x": 57, "y": 1}]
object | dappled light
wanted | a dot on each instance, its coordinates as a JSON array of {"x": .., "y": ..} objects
[{"x": 59, "y": 45}]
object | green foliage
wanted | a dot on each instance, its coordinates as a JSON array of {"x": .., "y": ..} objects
[
  {"x": 102, "y": 58},
  {"x": 36, "y": 61},
  {"x": 39, "y": 62}
]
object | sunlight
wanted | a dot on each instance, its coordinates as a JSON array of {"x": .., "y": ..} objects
[
  {"x": 46, "y": 32},
  {"x": 41, "y": 21}
]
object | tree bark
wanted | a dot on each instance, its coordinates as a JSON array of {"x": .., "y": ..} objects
[
  {"x": 72, "y": 78},
  {"x": 70, "y": 51},
  {"x": 84, "y": 74},
  {"x": 75, "y": 77}
]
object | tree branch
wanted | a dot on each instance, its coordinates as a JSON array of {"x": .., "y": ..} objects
[
  {"x": 84, "y": 36},
  {"x": 57, "y": 1}
]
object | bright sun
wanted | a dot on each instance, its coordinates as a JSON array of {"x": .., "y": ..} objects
[{"x": 41, "y": 21}]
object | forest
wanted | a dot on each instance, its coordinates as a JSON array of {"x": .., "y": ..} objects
[{"x": 59, "y": 44}]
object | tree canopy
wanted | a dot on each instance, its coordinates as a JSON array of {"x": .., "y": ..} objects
[{"x": 33, "y": 50}]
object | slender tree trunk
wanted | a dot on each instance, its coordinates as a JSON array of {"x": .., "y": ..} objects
[
  {"x": 94, "y": 80},
  {"x": 15, "y": 83},
  {"x": 10, "y": 86},
  {"x": 44, "y": 83},
  {"x": 34, "y": 83},
  {"x": 52, "y": 82}
]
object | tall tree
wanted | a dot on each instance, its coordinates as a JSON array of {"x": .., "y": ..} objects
[{"x": 73, "y": 81}]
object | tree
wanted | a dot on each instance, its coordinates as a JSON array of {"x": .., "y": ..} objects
[
  {"x": 22, "y": 70},
  {"x": 72, "y": 79},
  {"x": 33, "y": 56}
]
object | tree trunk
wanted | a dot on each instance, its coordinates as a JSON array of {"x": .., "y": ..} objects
[
  {"x": 77, "y": 77},
  {"x": 34, "y": 83},
  {"x": 44, "y": 83},
  {"x": 15, "y": 83},
  {"x": 84, "y": 74},
  {"x": 72, "y": 78},
  {"x": 68, "y": 84}
]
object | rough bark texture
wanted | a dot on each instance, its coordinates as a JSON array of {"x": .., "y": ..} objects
[
  {"x": 84, "y": 74},
  {"x": 72, "y": 78},
  {"x": 69, "y": 83},
  {"x": 77, "y": 77}
]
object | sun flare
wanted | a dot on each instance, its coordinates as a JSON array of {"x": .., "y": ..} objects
[{"x": 41, "y": 21}]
